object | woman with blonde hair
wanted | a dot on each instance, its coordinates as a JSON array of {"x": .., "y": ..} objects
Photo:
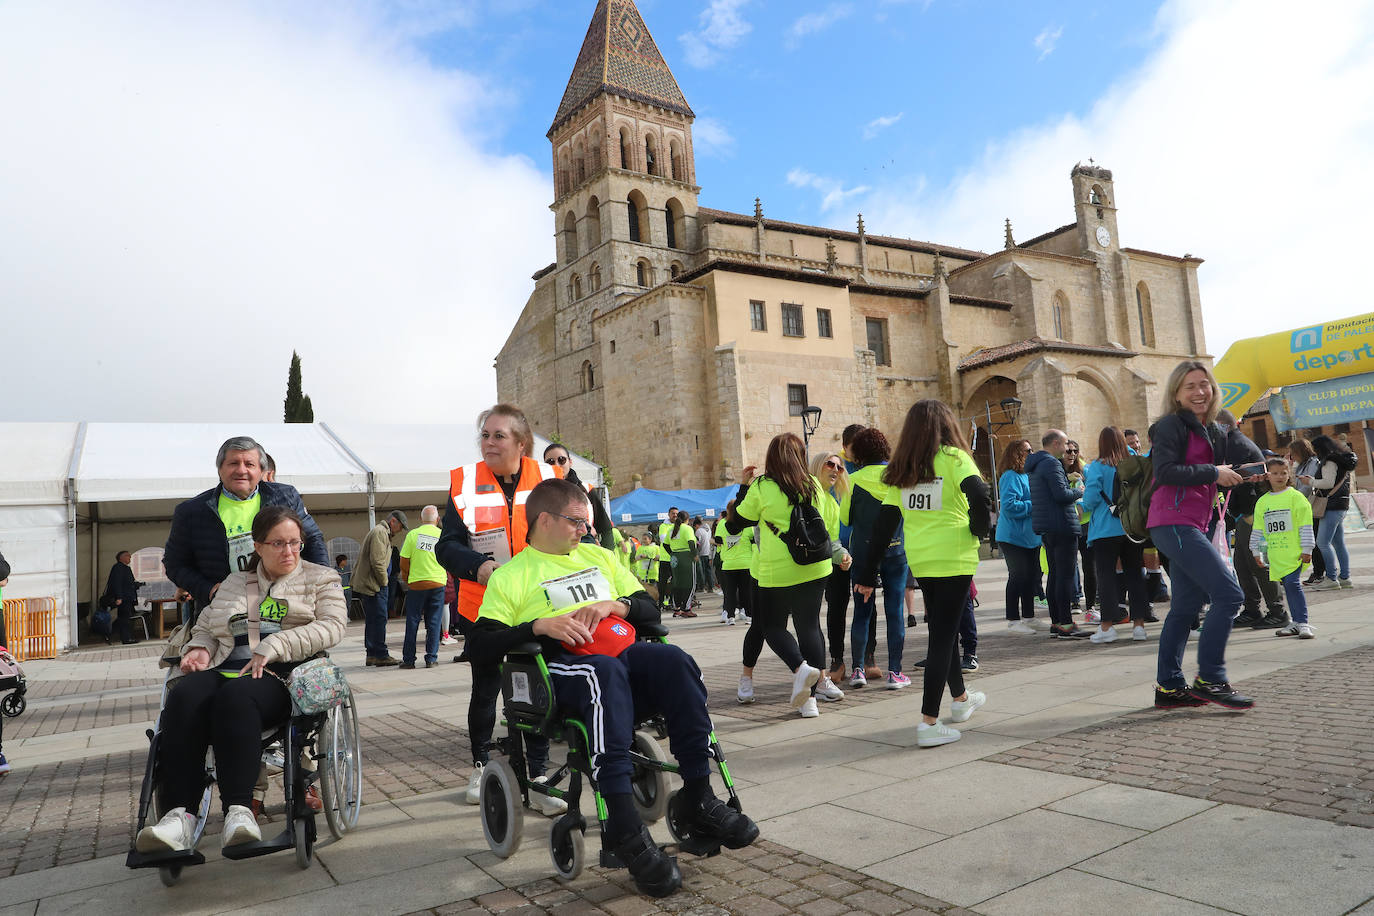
[
  {"x": 937, "y": 496},
  {"x": 829, "y": 469},
  {"x": 787, "y": 589},
  {"x": 1188, "y": 451}
]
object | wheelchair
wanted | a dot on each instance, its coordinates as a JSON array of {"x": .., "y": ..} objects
[
  {"x": 330, "y": 739},
  {"x": 505, "y": 788}
]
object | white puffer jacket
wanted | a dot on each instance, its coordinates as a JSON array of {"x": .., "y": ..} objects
[{"x": 316, "y": 614}]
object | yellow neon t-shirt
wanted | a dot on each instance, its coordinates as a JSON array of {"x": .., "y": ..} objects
[
  {"x": 766, "y": 503},
  {"x": 237, "y": 516},
  {"x": 418, "y": 548},
  {"x": 738, "y": 549},
  {"x": 935, "y": 518},
  {"x": 536, "y": 584}
]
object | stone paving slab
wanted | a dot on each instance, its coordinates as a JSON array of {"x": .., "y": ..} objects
[{"x": 1307, "y": 748}]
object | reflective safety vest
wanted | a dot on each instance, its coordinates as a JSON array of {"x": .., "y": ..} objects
[{"x": 496, "y": 528}]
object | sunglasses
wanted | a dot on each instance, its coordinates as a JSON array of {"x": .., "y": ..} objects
[
  {"x": 560, "y": 460},
  {"x": 834, "y": 464}
]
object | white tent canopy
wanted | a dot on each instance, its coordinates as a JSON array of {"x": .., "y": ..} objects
[{"x": 60, "y": 478}]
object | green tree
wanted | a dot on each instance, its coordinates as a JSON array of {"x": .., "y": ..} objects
[{"x": 298, "y": 407}]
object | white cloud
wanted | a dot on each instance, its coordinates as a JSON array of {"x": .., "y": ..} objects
[
  {"x": 1243, "y": 139},
  {"x": 811, "y": 23},
  {"x": 833, "y": 191},
  {"x": 721, "y": 27},
  {"x": 193, "y": 190},
  {"x": 1047, "y": 40},
  {"x": 710, "y": 137},
  {"x": 878, "y": 125}
]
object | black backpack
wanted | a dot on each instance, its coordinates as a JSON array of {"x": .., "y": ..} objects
[{"x": 806, "y": 537}]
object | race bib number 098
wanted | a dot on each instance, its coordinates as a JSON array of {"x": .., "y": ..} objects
[
  {"x": 1278, "y": 521},
  {"x": 924, "y": 497}
]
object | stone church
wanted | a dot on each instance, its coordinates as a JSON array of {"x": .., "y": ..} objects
[{"x": 672, "y": 341}]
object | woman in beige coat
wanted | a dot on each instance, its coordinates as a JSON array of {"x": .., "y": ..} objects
[{"x": 234, "y": 666}]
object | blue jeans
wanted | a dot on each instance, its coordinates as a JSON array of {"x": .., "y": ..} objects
[
  {"x": 1297, "y": 601},
  {"x": 1331, "y": 542},
  {"x": 429, "y": 604},
  {"x": 893, "y": 570},
  {"x": 374, "y": 624},
  {"x": 1199, "y": 575}
]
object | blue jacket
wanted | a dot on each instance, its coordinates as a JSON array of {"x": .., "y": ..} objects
[
  {"x": 1052, "y": 499},
  {"x": 196, "y": 556},
  {"x": 1099, "y": 479},
  {"x": 1014, "y": 518},
  {"x": 861, "y": 509}
]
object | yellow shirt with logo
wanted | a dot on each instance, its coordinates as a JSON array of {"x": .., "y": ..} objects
[
  {"x": 935, "y": 518},
  {"x": 766, "y": 503},
  {"x": 738, "y": 549},
  {"x": 418, "y": 548},
  {"x": 1280, "y": 520},
  {"x": 237, "y": 516},
  {"x": 535, "y": 584}
]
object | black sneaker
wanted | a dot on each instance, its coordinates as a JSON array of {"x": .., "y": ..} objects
[
  {"x": 1273, "y": 620},
  {"x": 1249, "y": 619},
  {"x": 910, "y": 620},
  {"x": 970, "y": 663},
  {"x": 1151, "y": 618},
  {"x": 408, "y": 666},
  {"x": 717, "y": 820},
  {"x": 1179, "y": 698},
  {"x": 655, "y": 872},
  {"x": 1069, "y": 632},
  {"x": 1222, "y": 694}
]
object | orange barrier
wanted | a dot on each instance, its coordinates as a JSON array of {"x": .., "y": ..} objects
[{"x": 31, "y": 627}]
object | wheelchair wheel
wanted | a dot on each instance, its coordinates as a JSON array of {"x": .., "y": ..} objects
[
  {"x": 341, "y": 769},
  {"x": 169, "y": 875},
  {"x": 649, "y": 784},
  {"x": 566, "y": 847},
  {"x": 503, "y": 819},
  {"x": 305, "y": 841},
  {"x": 13, "y": 704}
]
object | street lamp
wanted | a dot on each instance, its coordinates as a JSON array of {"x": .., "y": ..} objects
[
  {"x": 1011, "y": 409},
  {"x": 811, "y": 418}
]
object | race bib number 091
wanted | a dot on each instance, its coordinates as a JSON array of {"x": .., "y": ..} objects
[{"x": 924, "y": 497}]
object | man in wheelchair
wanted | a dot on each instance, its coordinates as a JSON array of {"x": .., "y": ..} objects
[{"x": 568, "y": 596}]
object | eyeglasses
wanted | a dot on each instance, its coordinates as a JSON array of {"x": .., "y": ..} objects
[
  {"x": 560, "y": 460},
  {"x": 279, "y": 545},
  {"x": 834, "y": 464},
  {"x": 578, "y": 523}
]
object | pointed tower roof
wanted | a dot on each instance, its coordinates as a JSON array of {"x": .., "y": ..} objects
[{"x": 619, "y": 56}]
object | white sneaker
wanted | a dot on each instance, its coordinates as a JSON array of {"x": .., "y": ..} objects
[
  {"x": 1346, "y": 583},
  {"x": 447, "y": 640},
  {"x": 1092, "y": 615},
  {"x": 547, "y": 805},
  {"x": 808, "y": 709},
  {"x": 935, "y": 735},
  {"x": 1305, "y": 631},
  {"x": 1101, "y": 636},
  {"x": 474, "y": 792},
  {"x": 959, "y": 712},
  {"x": 1020, "y": 626},
  {"x": 802, "y": 682},
  {"x": 826, "y": 689},
  {"x": 240, "y": 826},
  {"x": 725, "y": 617},
  {"x": 1139, "y": 634},
  {"x": 743, "y": 617},
  {"x": 1036, "y": 623},
  {"x": 171, "y": 834},
  {"x": 730, "y": 622},
  {"x": 745, "y": 694},
  {"x": 1326, "y": 585}
]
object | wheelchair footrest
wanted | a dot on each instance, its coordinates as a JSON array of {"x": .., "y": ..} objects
[
  {"x": 610, "y": 860},
  {"x": 181, "y": 857},
  {"x": 281, "y": 841},
  {"x": 701, "y": 848}
]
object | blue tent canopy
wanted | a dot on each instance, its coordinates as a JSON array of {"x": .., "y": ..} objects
[{"x": 641, "y": 506}]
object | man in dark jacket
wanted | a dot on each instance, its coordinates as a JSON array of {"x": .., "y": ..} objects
[
  {"x": 121, "y": 591},
  {"x": 1054, "y": 516},
  {"x": 1240, "y": 517},
  {"x": 211, "y": 532}
]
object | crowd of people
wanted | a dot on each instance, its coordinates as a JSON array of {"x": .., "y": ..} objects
[{"x": 522, "y": 553}]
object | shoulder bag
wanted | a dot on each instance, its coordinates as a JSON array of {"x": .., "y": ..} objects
[{"x": 316, "y": 685}]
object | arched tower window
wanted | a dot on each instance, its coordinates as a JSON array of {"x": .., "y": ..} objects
[
  {"x": 593, "y": 222},
  {"x": 1145, "y": 314},
  {"x": 570, "y": 236},
  {"x": 1063, "y": 324},
  {"x": 564, "y": 179},
  {"x": 675, "y": 269},
  {"x": 596, "y": 277},
  {"x": 672, "y": 214},
  {"x": 587, "y": 375},
  {"x": 576, "y": 287},
  {"x": 595, "y": 155},
  {"x": 651, "y": 155},
  {"x": 675, "y": 160},
  {"x": 579, "y": 163},
  {"x": 644, "y": 273},
  {"x": 638, "y": 211},
  {"x": 625, "y": 150}
]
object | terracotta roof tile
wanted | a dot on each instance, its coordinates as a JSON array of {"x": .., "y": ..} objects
[
  {"x": 887, "y": 241},
  {"x": 990, "y": 355}
]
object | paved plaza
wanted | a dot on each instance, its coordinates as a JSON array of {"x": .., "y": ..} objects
[{"x": 1068, "y": 793}]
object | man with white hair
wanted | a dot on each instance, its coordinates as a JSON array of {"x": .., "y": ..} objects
[{"x": 425, "y": 579}]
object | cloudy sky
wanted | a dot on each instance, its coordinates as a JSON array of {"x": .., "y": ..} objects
[{"x": 192, "y": 190}]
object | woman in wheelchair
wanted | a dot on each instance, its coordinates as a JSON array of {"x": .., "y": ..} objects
[
  {"x": 262, "y": 622},
  {"x": 559, "y": 592}
]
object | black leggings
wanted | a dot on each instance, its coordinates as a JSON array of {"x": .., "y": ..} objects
[
  {"x": 1106, "y": 551},
  {"x": 1023, "y": 579},
  {"x": 769, "y": 623},
  {"x": 736, "y": 589},
  {"x": 944, "y": 598},
  {"x": 206, "y": 708},
  {"x": 838, "y": 589}
]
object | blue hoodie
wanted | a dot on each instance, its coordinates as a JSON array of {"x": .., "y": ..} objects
[
  {"x": 1014, "y": 516},
  {"x": 1098, "y": 481}
]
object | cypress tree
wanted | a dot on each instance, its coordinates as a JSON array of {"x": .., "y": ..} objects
[{"x": 297, "y": 407}]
